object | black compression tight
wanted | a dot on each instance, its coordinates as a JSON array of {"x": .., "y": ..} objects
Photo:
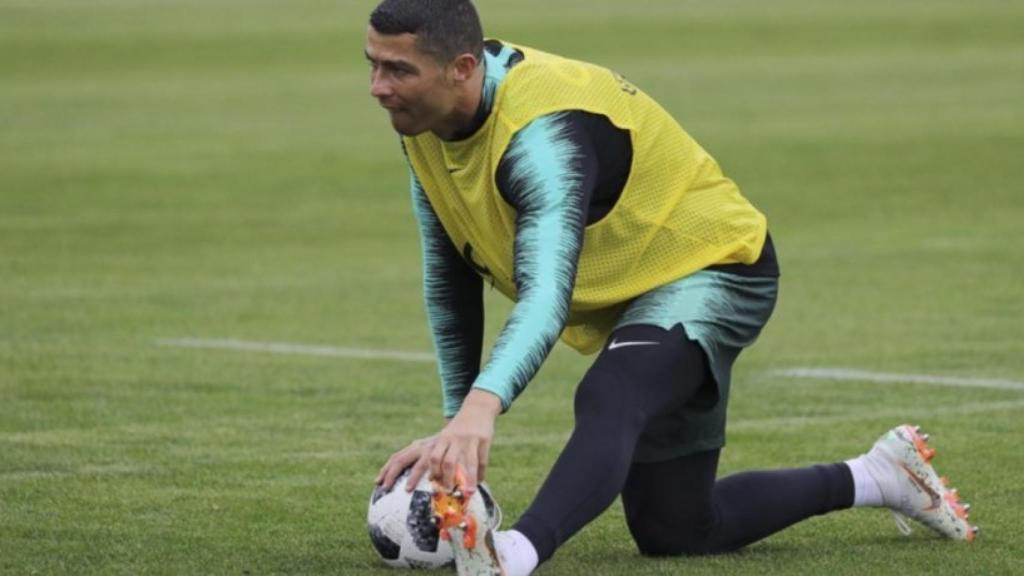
[{"x": 676, "y": 506}]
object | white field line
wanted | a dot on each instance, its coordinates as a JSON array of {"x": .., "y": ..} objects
[
  {"x": 86, "y": 470},
  {"x": 903, "y": 414},
  {"x": 843, "y": 374},
  {"x": 840, "y": 374},
  {"x": 306, "y": 349},
  {"x": 889, "y": 417}
]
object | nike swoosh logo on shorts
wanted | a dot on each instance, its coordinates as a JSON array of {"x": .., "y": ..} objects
[{"x": 615, "y": 344}]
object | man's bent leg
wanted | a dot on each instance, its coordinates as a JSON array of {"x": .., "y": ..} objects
[
  {"x": 676, "y": 507},
  {"x": 643, "y": 372},
  {"x": 669, "y": 505}
]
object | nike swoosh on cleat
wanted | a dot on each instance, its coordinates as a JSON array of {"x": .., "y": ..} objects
[
  {"x": 616, "y": 344},
  {"x": 936, "y": 500}
]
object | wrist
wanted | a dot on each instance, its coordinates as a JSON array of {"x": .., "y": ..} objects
[{"x": 482, "y": 401}]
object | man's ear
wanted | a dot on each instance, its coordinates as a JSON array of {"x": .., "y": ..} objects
[{"x": 464, "y": 66}]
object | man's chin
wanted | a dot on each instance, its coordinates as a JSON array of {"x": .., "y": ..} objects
[
  {"x": 406, "y": 130},
  {"x": 401, "y": 125}
]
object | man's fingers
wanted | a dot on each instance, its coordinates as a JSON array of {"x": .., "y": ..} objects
[
  {"x": 451, "y": 458},
  {"x": 415, "y": 453},
  {"x": 383, "y": 476},
  {"x": 450, "y": 454},
  {"x": 391, "y": 472},
  {"x": 437, "y": 456},
  {"x": 395, "y": 466},
  {"x": 470, "y": 456},
  {"x": 483, "y": 456},
  {"x": 416, "y": 473}
]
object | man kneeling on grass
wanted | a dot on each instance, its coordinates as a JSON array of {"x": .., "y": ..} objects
[{"x": 575, "y": 194}]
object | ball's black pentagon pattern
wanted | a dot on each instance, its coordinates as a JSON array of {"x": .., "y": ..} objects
[
  {"x": 419, "y": 541},
  {"x": 489, "y": 504},
  {"x": 378, "y": 493},
  {"x": 384, "y": 545},
  {"x": 420, "y": 523}
]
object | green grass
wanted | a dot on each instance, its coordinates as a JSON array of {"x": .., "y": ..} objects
[{"x": 217, "y": 169}]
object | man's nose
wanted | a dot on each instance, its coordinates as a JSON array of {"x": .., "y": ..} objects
[{"x": 379, "y": 87}]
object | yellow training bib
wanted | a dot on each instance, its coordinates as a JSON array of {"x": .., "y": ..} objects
[{"x": 677, "y": 213}]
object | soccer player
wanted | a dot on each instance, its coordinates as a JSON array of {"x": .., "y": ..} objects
[{"x": 576, "y": 195}]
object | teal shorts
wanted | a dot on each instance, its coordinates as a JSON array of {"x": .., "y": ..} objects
[{"x": 724, "y": 313}]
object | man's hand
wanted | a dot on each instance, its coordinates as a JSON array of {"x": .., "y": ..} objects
[
  {"x": 417, "y": 453},
  {"x": 466, "y": 440}
]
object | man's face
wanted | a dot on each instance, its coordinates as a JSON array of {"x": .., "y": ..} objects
[{"x": 410, "y": 85}]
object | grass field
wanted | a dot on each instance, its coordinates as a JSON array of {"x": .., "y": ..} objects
[{"x": 216, "y": 169}]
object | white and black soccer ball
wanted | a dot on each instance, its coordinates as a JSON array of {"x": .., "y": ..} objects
[{"x": 402, "y": 529}]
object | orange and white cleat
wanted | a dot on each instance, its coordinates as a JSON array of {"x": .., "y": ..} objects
[
  {"x": 466, "y": 525},
  {"x": 900, "y": 461}
]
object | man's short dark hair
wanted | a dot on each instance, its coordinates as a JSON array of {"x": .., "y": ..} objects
[{"x": 443, "y": 28}]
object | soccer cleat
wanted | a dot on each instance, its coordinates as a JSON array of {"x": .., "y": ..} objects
[
  {"x": 465, "y": 524},
  {"x": 900, "y": 461}
]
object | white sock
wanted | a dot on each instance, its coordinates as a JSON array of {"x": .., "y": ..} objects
[
  {"x": 517, "y": 554},
  {"x": 866, "y": 491}
]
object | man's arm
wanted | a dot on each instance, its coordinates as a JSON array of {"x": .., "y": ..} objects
[
  {"x": 547, "y": 174},
  {"x": 454, "y": 302}
]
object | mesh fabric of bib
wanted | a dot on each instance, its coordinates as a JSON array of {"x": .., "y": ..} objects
[{"x": 677, "y": 213}]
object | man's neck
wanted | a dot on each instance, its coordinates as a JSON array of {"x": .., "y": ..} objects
[{"x": 468, "y": 115}]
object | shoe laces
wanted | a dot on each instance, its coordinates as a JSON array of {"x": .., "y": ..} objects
[{"x": 901, "y": 523}]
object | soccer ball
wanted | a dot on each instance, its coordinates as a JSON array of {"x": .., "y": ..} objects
[{"x": 402, "y": 529}]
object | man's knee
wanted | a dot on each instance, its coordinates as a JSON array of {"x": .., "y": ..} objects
[
  {"x": 658, "y": 540},
  {"x": 668, "y": 505},
  {"x": 653, "y": 541}
]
